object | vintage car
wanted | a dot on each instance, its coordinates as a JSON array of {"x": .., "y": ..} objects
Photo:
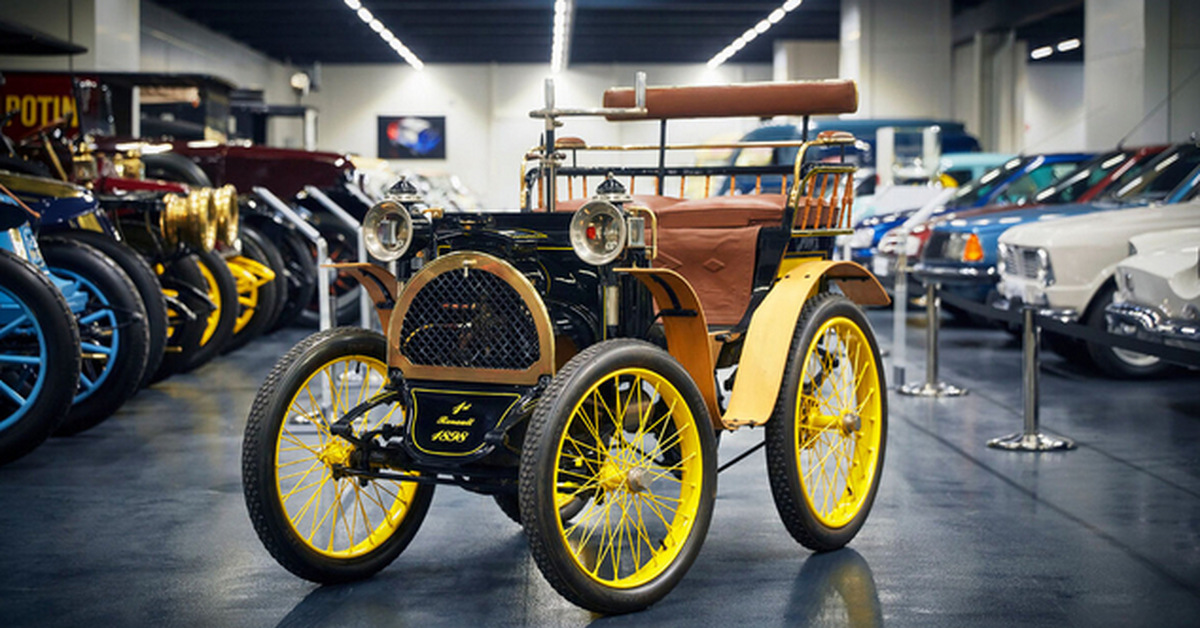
[
  {"x": 1158, "y": 289},
  {"x": 1013, "y": 183},
  {"x": 961, "y": 247},
  {"x": 555, "y": 359},
  {"x": 1066, "y": 267}
]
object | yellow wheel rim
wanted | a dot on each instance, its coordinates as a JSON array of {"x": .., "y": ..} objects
[
  {"x": 631, "y": 451},
  {"x": 336, "y": 516},
  {"x": 250, "y": 276},
  {"x": 838, "y": 422},
  {"x": 214, "y": 295}
]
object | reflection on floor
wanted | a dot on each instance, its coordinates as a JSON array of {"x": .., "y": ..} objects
[{"x": 141, "y": 521}]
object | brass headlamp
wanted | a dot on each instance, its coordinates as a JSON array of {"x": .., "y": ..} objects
[
  {"x": 225, "y": 211},
  {"x": 190, "y": 220}
]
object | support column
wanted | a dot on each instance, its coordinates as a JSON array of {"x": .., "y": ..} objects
[
  {"x": 109, "y": 29},
  {"x": 899, "y": 52},
  {"x": 1136, "y": 53}
]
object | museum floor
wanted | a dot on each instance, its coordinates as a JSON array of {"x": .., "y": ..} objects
[{"x": 141, "y": 522}]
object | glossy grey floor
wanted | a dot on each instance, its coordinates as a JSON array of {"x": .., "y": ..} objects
[{"x": 141, "y": 522}]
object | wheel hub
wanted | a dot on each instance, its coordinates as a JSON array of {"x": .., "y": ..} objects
[
  {"x": 336, "y": 452},
  {"x": 613, "y": 477},
  {"x": 851, "y": 422}
]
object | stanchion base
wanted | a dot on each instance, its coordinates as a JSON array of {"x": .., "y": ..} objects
[
  {"x": 1038, "y": 441},
  {"x": 925, "y": 389}
]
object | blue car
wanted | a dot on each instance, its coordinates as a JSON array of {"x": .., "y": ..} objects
[
  {"x": 962, "y": 253},
  {"x": 1014, "y": 183}
]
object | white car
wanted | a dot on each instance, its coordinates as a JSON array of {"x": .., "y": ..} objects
[
  {"x": 1065, "y": 267},
  {"x": 1158, "y": 289}
]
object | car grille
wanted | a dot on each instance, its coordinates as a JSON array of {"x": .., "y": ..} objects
[
  {"x": 1030, "y": 263},
  {"x": 935, "y": 248},
  {"x": 469, "y": 319},
  {"x": 1021, "y": 262}
]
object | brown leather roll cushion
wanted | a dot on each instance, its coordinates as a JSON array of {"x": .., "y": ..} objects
[{"x": 795, "y": 98}]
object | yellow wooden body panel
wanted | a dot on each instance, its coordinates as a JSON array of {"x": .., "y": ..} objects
[{"x": 769, "y": 337}]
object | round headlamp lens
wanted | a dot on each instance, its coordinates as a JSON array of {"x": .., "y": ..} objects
[
  {"x": 598, "y": 232},
  {"x": 387, "y": 231}
]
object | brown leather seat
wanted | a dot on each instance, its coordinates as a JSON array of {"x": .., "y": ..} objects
[{"x": 721, "y": 212}]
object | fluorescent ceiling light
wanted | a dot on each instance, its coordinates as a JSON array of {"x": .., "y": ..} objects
[
  {"x": 753, "y": 32},
  {"x": 564, "y": 12},
  {"x": 384, "y": 33},
  {"x": 1069, "y": 44},
  {"x": 1041, "y": 53}
]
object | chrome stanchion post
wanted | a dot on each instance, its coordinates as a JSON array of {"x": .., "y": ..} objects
[
  {"x": 312, "y": 235},
  {"x": 364, "y": 300},
  {"x": 1031, "y": 439},
  {"x": 932, "y": 387},
  {"x": 899, "y": 318}
]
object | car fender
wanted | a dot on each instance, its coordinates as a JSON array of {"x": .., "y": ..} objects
[{"x": 765, "y": 355}]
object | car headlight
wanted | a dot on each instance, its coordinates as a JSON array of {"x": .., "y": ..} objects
[
  {"x": 1044, "y": 271},
  {"x": 598, "y": 232},
  {"x": 202, "y": 219},
  {"x": 225, "y": 209},
  {"x": 387, "y": 230},
  {"x": 1004, "y": 253}
]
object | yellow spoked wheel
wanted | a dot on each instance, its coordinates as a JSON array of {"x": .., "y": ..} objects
[
  {"x": 623, "y": 432},
  {"x": 213, "y": 292},
  {"x": 317, "y": 520},
  {"x": 250, "y": 277},
  {"x": 826, "y": 439}
]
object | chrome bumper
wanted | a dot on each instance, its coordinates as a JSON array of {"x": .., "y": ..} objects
[
  {"x": 1064, "y": 315},
  {"x": 1148, "y": 323},
  {"x": 955, "y": 274}
]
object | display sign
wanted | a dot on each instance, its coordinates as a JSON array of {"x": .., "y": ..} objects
[{"x": 412, "y": 137}]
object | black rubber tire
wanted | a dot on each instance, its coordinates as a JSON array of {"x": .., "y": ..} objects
[
  {"x": 183, "y": 276},
  {"x": 301, "y": 275},
  {"x": 342, "y": 242},
  {"x": 269, "y": 410},
  {"x": 268, "y": 295},
  {"x": 538, "y": 466},
  {"x": 275, "y": 262},
  {"x": 227, "y": 312},
  {"x": 783, "y": 469},
  {"x": 73, "y": 259},
  {"x": 148, "y": 288},
  {"x": 175, "y": 167},
  {"x": 1112, "y": 362},
  {"x": 24, "y": 282}
]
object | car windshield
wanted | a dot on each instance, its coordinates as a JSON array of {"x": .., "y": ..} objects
[
  {"x": 1158, "y": 178},
  {"x": 1023, "y": 188},
  {"x": 1082, "y": 179},
  {"x": 971, "y": 193}
]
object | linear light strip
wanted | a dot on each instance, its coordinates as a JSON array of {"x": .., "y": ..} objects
[
  {"x": 753, "y": 32},
  {"x": 384, "y": 33},
  {"x": 1065, "y": 45},
  {"x": 564, "y": 14}
]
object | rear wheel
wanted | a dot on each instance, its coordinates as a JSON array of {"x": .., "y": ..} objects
[
  {"x": 318, "y": 522},
  {"x": 826, "y": 438},
  {"x": 113, "y": 330},
  {"x": 623, "y": 429},
  {"x": 257, "y": 292},
  {"x": 188, "y": 309},
  {"x": 222, "y": 294},
  {"x": 39, "y": 357},
  {"x": 300, "y": 271},
  {"x": 148, "y": 288}
]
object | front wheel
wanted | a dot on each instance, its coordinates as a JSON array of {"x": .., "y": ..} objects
[
  {"x": 826, "y": 438},
  {"x": 39, "y": 357},
  {"x": 320, "y": 523},
  {"x": 1116, "y": 362},
  {"x": 113, "y": 328},
  {"x": 623, "y": 429}
]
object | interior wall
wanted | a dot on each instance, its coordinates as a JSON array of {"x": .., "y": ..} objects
[
  {"x": 172, "y": 43},
  {"x": 1054, "y": 110},
  {"x": 488, "y": 128},
  {"x": 107, "y": 28}
]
